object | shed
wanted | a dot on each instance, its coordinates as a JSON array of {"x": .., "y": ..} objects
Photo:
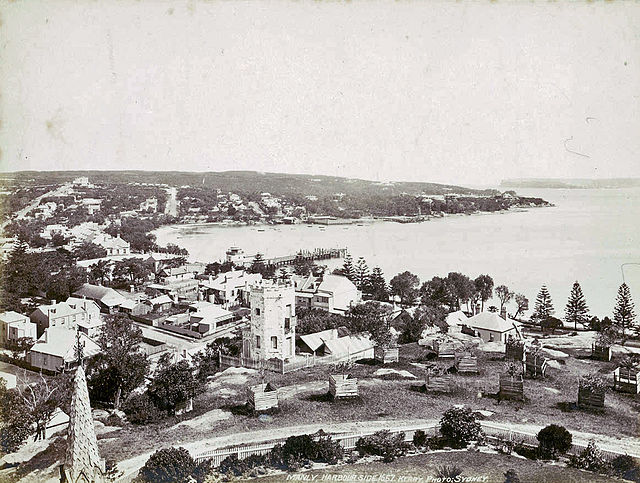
[
  {"x": 625, "y": 379},
  {"x": 350, "y": 347},
  {"x": 342, "y": 385},
  {"x": 263, "y": 396},
  {"x": 492, "y": 328}
]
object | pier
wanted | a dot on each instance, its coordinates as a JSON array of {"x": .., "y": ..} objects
[{"x": 312, "y": 255}]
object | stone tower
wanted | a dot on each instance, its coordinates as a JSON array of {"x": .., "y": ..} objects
[
  {"x": 273, "y": 321},
  {"x": 82, "y": 461}
]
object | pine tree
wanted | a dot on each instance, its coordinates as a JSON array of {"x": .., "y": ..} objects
[
  {"x": 623, "y": 313},
  {"x": 348, "y": 270},
  {"x": 361, "y": 273},
  {"x": 258, "y": 265},
  {"x": 544, "y": 306},
  {"x": 377, "y": 285},
  {"x": 576, "y": 309}
]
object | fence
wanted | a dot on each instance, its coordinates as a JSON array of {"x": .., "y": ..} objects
[{"x": 284, "y": 367}]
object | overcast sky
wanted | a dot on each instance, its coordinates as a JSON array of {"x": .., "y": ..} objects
[{"x": 461, "y": 92}]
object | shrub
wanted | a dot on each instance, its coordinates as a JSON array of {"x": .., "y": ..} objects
[
  {"x": 448, "y": 473},
  {"x": 383, "y": 443},
  {"x": 553, "y": 440},
  {"x": 511, "y": 476},
  {"x": 169, "y": 465},
  {"x": 232, "y": 466},
  {"x": 140, "y": 410},
  {"x": 328, "y": 451},
  {"x": 459, "y": 427},
  {"x": 420, "y": 439},
  {"x": 589, "y": 459},
  {"x": 626, "y": 467}
]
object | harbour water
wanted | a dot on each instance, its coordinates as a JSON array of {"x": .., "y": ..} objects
[{"x": 587, "y": 236}]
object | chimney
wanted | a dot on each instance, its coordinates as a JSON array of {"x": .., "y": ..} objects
[
  {"x": 46, "y": 335},
  {"x": 131, "y": 288},
  {"x": 503, "y": 313}
]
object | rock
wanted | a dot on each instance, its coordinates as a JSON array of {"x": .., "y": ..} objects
[
  {"x": 265, "y": 418},
  {"x": 119, "y": 413},
  {"x": 484, "y": 413},
  {"x": 98, "y": 424},
  {"x": 554, "y": 364},
  {"x": 99, "y": 414},
  {"x": 550, "y": 389},
  {"x": 385, "y": 371}
]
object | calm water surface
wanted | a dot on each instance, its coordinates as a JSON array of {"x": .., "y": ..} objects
[{"x": 587, "y": 236}]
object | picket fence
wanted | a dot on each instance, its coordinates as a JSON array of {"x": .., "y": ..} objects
[{"x": 348, "y": 441}]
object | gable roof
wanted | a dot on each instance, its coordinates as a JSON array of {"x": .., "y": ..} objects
[
  {"x": 82, "y": 303},
  {"x": 458, "y": 317},
  {"x": 314, "y": 341},
  {"x": 11, "y": 316},
  {"x": 336, "y": 284},
  {"x": 61, "y": 309},
  {"x": 60, "y": 342},
  {"x": 172, "y": 272},
  {"x": 490, "y": 321},
  {"x": 350, "y": 344},
  {"x": 106, "y": 295}
]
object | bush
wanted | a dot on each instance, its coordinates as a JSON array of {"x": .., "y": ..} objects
[
  {"x": 328, "y": 451},
  {"x": 420, "y": 439},
  {"x": 140, "y": 410},
  {"x": 232, "y": 466},
  {"x": 448, "y": 473},
  {"x": 625, "y": 467},
  {"x": 169, "y": 465},
  {"x": 511, "y": 476},
  {"x": 383, "y": 443},
  {"x": 589, "y": 459},
  {"x": 553, "y": 440},
  {"x": 459, "y": 427}
]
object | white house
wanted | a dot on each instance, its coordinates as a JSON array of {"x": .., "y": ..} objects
[
  {"x": 490, "y": 327},
  {"x": 92, "y": 324},
  {"x": 336, "y": 294},
  {"x": 113, "y": 246},
  {"x": 57, "y": 315},
  {"x": 14, "y": 326},
  {"x": 55, "y": 349},
  {"x": 231, "y": 288}
]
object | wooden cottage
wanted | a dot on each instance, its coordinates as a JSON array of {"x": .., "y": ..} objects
[
  {"x": 601, "y": 352},
  {"x": 440, "y": 382},
  {"x": 467, "y": 364},
  {"x": 342, "y": 385},
  {"x": 625, "y": 379},
  {"x": 535, "y": 364},
  {"x": 512, "y": 383},
  {"x": 591, "y": 393},
  {"x": 263, "y": 396},
  {"x": 386, "y": 355}
]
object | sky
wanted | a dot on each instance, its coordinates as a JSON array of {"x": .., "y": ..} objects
[{"x": 465, "y": 92}]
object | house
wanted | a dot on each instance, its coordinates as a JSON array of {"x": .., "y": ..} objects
[
  {"x": 336, "y": 294},
  {"x": 229, "y": 289},
  {"x": 14, "y": 326},
  {"x": 113, "y": 246},
  {"x": 306, "y": 288},
  {"x": 55, "y": 350},
  {"x": 315, "y": 343},
  {"x": 198, "y": 324},
  {"x": 455, "y": 321},
  {"x": 172, "y": 275},
  {"x": 92, "y": 205},
  {"x": 186, "y": 289},
  {"x": 350, "y": 347},
  {"x": 57, "y": 315},
  {"x": 272, "y": 332},
  {"x": 490, "y": 327},
  {"x": 107, "y": 298},
  {"x": 150, "y": 204},
  {"x": 6, "y": 247},
  {"x": 399, "y": 319},
  {"x": 92, "y": 324},
  {"x": 160, "y": 303},
  {"x": 135, "y": 307}
]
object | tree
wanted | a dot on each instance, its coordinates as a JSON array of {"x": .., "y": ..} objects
[
  {"x": 377, "y": 286},
  {"x": 459, "y": 427},
  {"x": 316, "y": 320},
  {"x": 131, "y": 271},
  {"x": 302, "y": 266},
  {"x": 576, "y": 309},
  {"x": 623, "y": 313},
  {"x": 120, "y": 367},
  {"x": 216, "y": 267},
  {"x": 461, "y": 287},
  {"x": 58, "y": 239},
  {"x": 423, "y": 317},
  {"x": 371, "y": 317},
  {"x": 361, "y": 274},
  {"x": 544, "y": 306},
  {"x": 348, "y": 270},
  {"x": 484, "y": 286},
  {"x": 39, "y": 400},
  {"x": 170, "y": 465},
  {"x": 438, "y": 292},
  {"x": 522, "y": 304},
  {"x": 15, "y": 423},
  {"x": 553, "y": 440},
  {"x": 173, "y": 384},
  {"x": 405, "y": 286},
  {"x": 504, "y": 295},
  {"x": 100, "y": 272},
  {"x": 510, "y": 476}
]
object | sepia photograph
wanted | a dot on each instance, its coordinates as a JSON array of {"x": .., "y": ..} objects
[{"x": 319, "y": 240}]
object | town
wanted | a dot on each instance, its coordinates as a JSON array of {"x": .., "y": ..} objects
[{"x": 122, "y": 359}]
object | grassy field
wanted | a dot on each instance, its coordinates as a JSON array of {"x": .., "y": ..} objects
[
  {"x": 489, "y": 468},
  {"x": 547, "y": 401}
]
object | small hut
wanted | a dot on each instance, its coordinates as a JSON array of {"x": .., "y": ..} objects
[
  {"x": 437, "y": 381},
  {"x": 625, "y": 379},
  {"x": 263, "y": 396},
  {"x": 467, "y": 364},
  {"x": 514, "y": 349},
  {"x": 342, "y": 386},
  {"x": 512, "y": 383},
  {"x": 535, "y": 364},
  {"x": 386, "y": 354},
  {"x": 601, "y": 348},
  {"x": 591, "y": 392}
]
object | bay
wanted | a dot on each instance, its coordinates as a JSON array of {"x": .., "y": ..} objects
[{"x": 586, "y": 236}]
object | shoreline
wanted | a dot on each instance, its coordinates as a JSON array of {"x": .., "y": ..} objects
[{"x": 346, "y": 221}]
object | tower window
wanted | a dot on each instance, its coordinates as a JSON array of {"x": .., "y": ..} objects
[
  {"x": 257, "y": 310},
  {"x": 274, "y": 342},
  {"x": 257, "y": 342}
]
